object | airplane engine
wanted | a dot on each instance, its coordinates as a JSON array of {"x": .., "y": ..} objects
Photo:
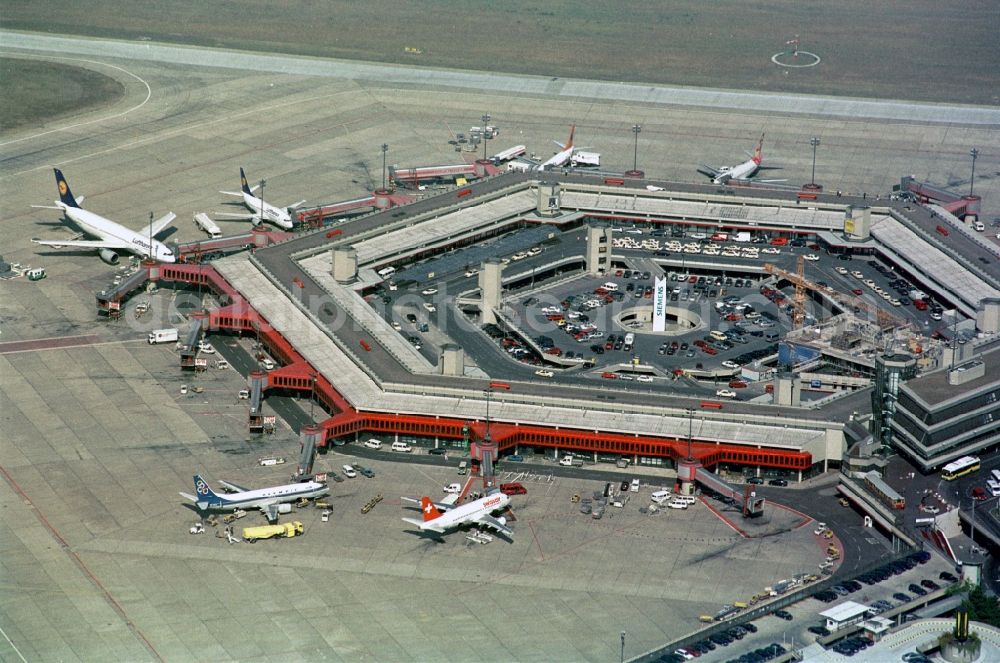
[
  {"x": 502, "y": 520},
  {"x": 109, "y": 256}
]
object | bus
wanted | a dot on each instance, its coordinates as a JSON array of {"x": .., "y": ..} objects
[
  {"x": 960, "y": 467},
  {"x": 996, "y": 475},
  {"x": 876, "y": 486}
]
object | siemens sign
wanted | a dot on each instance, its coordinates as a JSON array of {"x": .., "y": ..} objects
[{"x": 660, "y": 305}]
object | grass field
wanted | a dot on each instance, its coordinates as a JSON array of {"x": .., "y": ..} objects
[
  {"x": 932, "y": 50},
  {"x": 36, "y": 92}
]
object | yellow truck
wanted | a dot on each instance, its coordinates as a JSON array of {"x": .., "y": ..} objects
[{"x": 287, "y": 530}]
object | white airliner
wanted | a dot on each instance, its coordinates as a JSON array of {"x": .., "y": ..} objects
[
  {"x": 743, "y": 172},
  {"x": 562, "y": 157},
  {"x": 440, "y": 518},
  {"x": 113, "y": 236},
  {"x": 260, "y": 210},
  {"x": 265, "y": 499}
]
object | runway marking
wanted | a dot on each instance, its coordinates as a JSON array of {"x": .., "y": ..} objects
[
  {"x": 149, "y": 94},
  {"x": 13, "y": 646},
  {"x": 80, "y": 565},
  {"x": 58, "y": 343},
  {"x": 186, "y": 128}
]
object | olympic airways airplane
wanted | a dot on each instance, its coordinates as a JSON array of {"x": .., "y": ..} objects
[
  {"x": 265, "y": 499},
  {"x": 114, "y": 237},
  {"x": 260, "y": 210}
]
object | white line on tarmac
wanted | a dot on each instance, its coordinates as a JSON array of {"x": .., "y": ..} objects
[{"x": 149, "y": 94}]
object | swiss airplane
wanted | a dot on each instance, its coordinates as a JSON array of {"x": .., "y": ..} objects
[
  {"x": 265, "y": 499},
  {"x": 113, "y": 236},
  {"x": 441, "y": 518},
  {"x": 741, "y": 173},
  {"x": 260, "y": 210}
]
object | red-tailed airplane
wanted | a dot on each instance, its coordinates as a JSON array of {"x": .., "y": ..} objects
[
  {"x": 742, "y": 172},
  {"x": 440, "y": 517}
]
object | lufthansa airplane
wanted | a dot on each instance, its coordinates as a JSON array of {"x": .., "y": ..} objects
[
  {"x": 260, "y": 210},
  {"x": 114, "y": 237}
]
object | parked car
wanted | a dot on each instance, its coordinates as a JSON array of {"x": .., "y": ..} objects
[
  {"x": 513, "y": 488},
  {"x": 373, "y": 444},
  {"x": 784, "y": 614},
  {"x": 349, "y": 471}
]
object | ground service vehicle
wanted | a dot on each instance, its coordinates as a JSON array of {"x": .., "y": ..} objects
[
  {"x": 162, "y": 336},
  {"x": 35, "y": 274},
  {"x": 203, "y": 221},
  {"x": 284, "y": 530}
]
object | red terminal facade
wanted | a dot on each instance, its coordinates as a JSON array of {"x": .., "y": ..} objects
[{"x": 296, "y": 374}]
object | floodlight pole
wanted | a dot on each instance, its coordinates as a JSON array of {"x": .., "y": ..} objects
[
  {"x": 973, "y": 153},
  {"x": 150, "y": 227},
  {"x": 814, "y": 141},
  {"x": 486, "y": 120},
  {"x": 636, "y": 128},
  {"x": 690, "y": 414},
  {"x": 385, "y": 148},
  {"x": 261, "y": 210},
  {"x": 622, "y": 658}
]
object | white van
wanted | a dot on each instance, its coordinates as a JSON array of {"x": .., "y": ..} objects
[
  {"x": 610, "y": 287},
  {"x": 661, "y": 496},
  {"x": 373, "y": 444},
  {"x": 401, "y": 446},
  {"x": 687, "y": 499},
  {"x": 718, "y": 335}
]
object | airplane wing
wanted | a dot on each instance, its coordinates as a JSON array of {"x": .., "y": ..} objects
[
  {"x": 83, "y": 244},
  {"x": 425, "y": 526},
  {"x": 233, "y": 193},
  {"x": 708, "y": 171},
  {"x": 294, "y": 206},
  {"x": 188, "y": 496},
  {"x": 232, "y": 486},
  {"x": 440, "y": 506},
  {"x": 47, "y": 207},
  {"x": 271, "y": 511},
  {"x": 490, "y": 521},
  {"x": 156, "y": 226},
  {"x": 760, "y": 181}
]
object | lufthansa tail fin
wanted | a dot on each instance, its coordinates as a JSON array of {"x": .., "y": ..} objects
[
  {"x": 430, "y": 511},
  {"x": 65, "y": 195},
  {"x": 243, "y": 182}
]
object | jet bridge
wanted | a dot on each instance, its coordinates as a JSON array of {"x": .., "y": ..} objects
[
  {"x": 751, "y": 504},
  {"x": 189, "y": 353}
]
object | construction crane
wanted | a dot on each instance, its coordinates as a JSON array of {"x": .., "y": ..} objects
[{"x": 884, "y": 319}]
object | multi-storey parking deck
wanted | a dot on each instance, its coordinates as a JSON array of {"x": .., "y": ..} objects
[{"x": 377, "y": 382}]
